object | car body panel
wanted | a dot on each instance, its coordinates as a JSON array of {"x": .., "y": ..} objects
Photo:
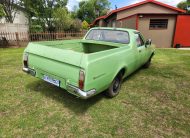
[{"x": 63, "y": 60}]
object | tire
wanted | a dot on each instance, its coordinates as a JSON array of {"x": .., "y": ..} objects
[
  {"x": 115, "y": 86},
  {"x": 147, "y": 64}
]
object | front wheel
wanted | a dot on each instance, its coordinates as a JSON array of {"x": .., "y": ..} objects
[{"x": 115, "y": 86}]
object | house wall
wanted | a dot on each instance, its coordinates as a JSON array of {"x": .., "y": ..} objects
[
  {"x": 20, "y": 18},
  {"x": 11, "y": 27},
  {"x": 129, "y": 22},
  {"x": 163, "y": 38},
  {"x": 111, "y": 21},
  {"x": 8, "y": 30},
  {"x": 102, "y": 23},
  {"x": 146, "y": 8}
]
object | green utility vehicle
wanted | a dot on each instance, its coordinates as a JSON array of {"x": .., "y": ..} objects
[{"x": 92, "y": 65}]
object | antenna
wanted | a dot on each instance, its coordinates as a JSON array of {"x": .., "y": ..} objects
[{"x": 115, "y": 7}]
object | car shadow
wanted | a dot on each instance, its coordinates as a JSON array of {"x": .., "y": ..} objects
[
  {"x": 132, "y": 75},
  {"x": 77, "y": 105}
]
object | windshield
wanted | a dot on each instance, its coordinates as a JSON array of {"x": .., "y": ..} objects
[{"x": 109, "y": 36}]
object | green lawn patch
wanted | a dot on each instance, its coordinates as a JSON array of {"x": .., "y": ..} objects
[{"x": 153, "y": 102}]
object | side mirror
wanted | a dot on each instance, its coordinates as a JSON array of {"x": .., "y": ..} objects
[{"x": 148, "y": 42}]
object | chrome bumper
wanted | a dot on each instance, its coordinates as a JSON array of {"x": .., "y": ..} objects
[
  {"x": 80, "y": 93},
  {"x": 25, "y": 70},
  {"x": 70, "y": 88},
  {"x": 30, "y": 71}
]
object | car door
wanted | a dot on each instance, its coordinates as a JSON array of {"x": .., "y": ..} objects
[{"x": 141, "y": 49}]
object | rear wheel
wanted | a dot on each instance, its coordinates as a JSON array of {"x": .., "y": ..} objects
[{"x": 115, "y": 86}]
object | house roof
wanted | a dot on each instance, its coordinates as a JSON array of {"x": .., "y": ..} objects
[
  {"x": 139, "y": 4},
  {"x": 101, "y": 17}
]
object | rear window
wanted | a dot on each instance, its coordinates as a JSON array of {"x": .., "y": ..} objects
[{"x": 109, "y": 36}]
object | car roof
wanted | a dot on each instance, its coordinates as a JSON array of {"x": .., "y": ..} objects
[{"x": 114, "y": 28}]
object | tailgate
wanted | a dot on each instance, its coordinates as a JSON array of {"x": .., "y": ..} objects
[
  {"x": 57, "y": 63},
  {"x": 62, "y": 55}
]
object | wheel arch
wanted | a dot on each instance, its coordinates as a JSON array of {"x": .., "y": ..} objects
[
  {"x": 153, "y": 53},
  {"x": 121, "y": 70}
]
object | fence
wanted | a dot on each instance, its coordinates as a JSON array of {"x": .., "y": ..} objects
[
  {"x": 13, "y": 27},
  {"x": 16, "y": 38},
  {"x": 55, "y": 36}
]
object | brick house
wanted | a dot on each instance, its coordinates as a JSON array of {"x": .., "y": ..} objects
[{"x": 153, "y": 19}]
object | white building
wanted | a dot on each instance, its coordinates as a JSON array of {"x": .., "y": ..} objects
[{"x": 20, "y": 23}]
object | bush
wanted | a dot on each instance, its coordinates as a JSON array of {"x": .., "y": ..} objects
[
  {"x": 3, "y": 42},
  {"x": 85, "y": 25},
  {"x": 36, "y": 28}
]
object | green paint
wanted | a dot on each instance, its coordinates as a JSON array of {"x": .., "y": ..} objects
[{"x": 100, "y": 60}]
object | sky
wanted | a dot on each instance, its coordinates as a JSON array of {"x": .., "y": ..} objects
[{"x": 122, "y": 3}]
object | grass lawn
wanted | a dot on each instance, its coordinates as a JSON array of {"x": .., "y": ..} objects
[{"x": 153, "y": 102}]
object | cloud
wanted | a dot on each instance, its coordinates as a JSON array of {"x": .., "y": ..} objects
[
  {"x": 72, "y": 3},
  {"x": 169, "y": 2}
]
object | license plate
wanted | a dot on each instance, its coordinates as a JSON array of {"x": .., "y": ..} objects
[{"x": 51, "y": 80}]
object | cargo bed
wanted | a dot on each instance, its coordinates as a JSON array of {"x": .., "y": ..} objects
[{"x": 86, "y": 47}]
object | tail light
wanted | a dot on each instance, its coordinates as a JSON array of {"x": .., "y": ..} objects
[
  {"x": 25, "y": 60},
  {"x": 81, "y": 79}
]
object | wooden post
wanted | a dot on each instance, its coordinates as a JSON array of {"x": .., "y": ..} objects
[{"x": 17, "y": 39}]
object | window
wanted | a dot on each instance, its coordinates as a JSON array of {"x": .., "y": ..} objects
[
  {"x": 158, "y": 24},
  {"x": 139, "y": 40},
  {"x": 115, "y": 36}
]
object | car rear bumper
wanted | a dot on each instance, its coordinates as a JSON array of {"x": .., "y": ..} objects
[
  {"x": 70, "y": 88},
  {"x": 25, "y": 69},
  {"x": 80, "y": 93},
  {"x": 29, "y": 71}
]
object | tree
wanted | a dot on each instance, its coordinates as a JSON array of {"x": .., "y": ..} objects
[
  {"x": 101, "y": 7},
  {"x": 10, "y": 9},
  {"x": 42, "y": 11},
  {"x": 91, "y": 9},
  {"x": 185, "y": 5},
  {"x": 76, "y": 25},
  {"x": 188, "y": 6},
  {"x": 85, "y": 11},
  {"x": 62, "y": 18},
  {"x": 74, "y": 12},
  {"x": 2, "y": 13}
]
